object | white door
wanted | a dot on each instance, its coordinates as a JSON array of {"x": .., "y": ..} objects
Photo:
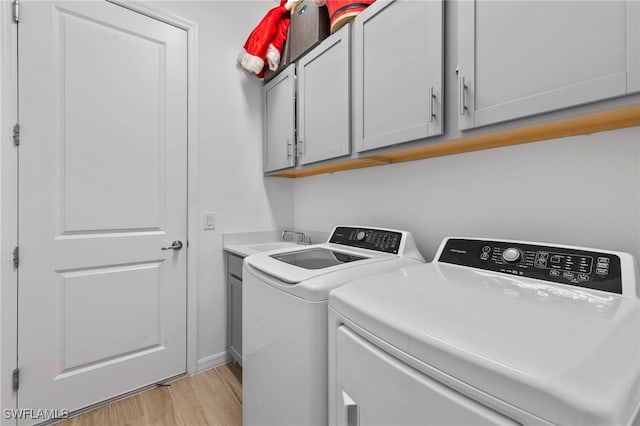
[{"x": 102, "y": 184}]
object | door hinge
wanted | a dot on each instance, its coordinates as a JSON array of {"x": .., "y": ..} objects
[
  {"x": 16, "y": 134},
  {"x": 16, "y": 379},
  {"x": 16, "y": 11},
  {"x": 16, "y": 257}
]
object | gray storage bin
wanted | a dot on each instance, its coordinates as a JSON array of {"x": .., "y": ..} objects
[{"x": 309, "y": 26}]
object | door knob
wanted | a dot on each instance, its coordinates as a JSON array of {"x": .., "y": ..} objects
[{"x": 176, "y": 245}]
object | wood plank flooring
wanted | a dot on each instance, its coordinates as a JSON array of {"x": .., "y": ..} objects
[{"x": 213, "y": 397}]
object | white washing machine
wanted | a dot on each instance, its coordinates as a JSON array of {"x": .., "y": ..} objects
[
  {"x": 491, "y": 332},
  {"x": 284, "y": 309}
]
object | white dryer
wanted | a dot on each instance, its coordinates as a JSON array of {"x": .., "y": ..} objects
[
  {"x": 491, "y": 332},
  {"x": 284, "y": 320}
]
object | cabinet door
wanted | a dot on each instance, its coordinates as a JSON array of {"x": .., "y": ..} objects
[
  {"x": 279, "y": 121},
  {"x": 397, "y": 73},
  {"x": 235, "y": 318},
  {"x": 520, "y": 58},
  {"x": 324, "y": 100}
]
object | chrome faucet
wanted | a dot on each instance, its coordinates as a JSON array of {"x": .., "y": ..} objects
[{"x": 302, "y": 237}]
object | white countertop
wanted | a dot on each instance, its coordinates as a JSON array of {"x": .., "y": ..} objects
[
  {"x": 245, "y": 250},
  {"x": 248, "y": 243}
]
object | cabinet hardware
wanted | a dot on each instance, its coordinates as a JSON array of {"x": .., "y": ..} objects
[
  {"x": 461, "y": 90},
  {"x": 16, "y": 11},
  {"x": 431, "y": 110},
  {"x": 15, "y": 379},
  {"x": 300, "y": 142},
  {"x": 289, "y": 149},
  {"x": 16, "y": 257},
  {"x": 16, "y": 135}
]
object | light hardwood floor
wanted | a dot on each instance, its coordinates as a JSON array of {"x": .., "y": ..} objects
[{"x": 213, "y": 397}]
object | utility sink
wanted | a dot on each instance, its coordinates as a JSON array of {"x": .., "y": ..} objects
[{"x": 272, "y": 246}]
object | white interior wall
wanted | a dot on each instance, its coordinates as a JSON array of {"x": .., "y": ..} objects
[
  {"x": 582, "y": 190},
  {"x": 230, "y": 153}
]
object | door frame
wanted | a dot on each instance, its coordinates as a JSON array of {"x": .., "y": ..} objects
[
  {"x": 8, "y": 205},
  {"x": 9, "y": 191}
]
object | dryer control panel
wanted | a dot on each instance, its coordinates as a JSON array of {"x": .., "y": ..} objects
[
  {"x": 588, "y": 269},
  {"x": 367, "y": 238}
]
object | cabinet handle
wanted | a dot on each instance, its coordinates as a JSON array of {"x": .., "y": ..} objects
[
  {"x": 350, "y": 412},
  {"x": 431, "y": 110},
  {"x": 300, "y": 148},
  {"x": 289, "y": 149},
  {"x": 461, "y": 90}
]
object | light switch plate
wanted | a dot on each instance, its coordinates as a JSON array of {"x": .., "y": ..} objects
[{"x": 208, "y": 221}]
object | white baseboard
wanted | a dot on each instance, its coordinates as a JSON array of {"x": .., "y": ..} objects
[{"x": 213, "y": 361}]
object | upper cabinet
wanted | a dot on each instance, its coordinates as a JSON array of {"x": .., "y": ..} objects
[
  {"x": 379, "y": 82},
  {"x": 279, "y": 121},
  {"x": 520, "y": 58},
  {"x": 324, "y": 84},
  {"x": 398, "y": 62}
]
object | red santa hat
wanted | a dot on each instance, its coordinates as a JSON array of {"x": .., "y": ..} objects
[{"x": 266, "y": 41}]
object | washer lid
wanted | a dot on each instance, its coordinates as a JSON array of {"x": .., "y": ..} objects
[
  {"x": 301, "y": 264},
  {"x": 566, "y": 354},
  {"x": 316, "y": 258}
]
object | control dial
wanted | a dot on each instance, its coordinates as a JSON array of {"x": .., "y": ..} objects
[
  {"x": 511, "y": 255},
  {"x": 360, "y": 235}
]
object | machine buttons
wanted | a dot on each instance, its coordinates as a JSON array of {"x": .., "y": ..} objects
[
  {"x": 511, "y": 255},
  {"x": 561, "y": 265},
  {"x": 541, "y": 259},
  {"x": 485, "y": 253},
  {"x": 602, "y": 267},
  {"x": 366, "y": 238}
]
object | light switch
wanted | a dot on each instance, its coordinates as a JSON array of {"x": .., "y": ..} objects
[{"x": 209, "y": 221}]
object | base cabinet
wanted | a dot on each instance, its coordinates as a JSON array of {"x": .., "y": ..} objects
[
  {"x": 234, "y": 307},
  {"x": 520, "y": 58},
  {"x": 398, "y": 63}
]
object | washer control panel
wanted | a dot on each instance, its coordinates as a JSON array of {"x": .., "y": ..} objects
[
  {"x": 367, "y": 238},
  {"x": 588, "y": 269}
]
